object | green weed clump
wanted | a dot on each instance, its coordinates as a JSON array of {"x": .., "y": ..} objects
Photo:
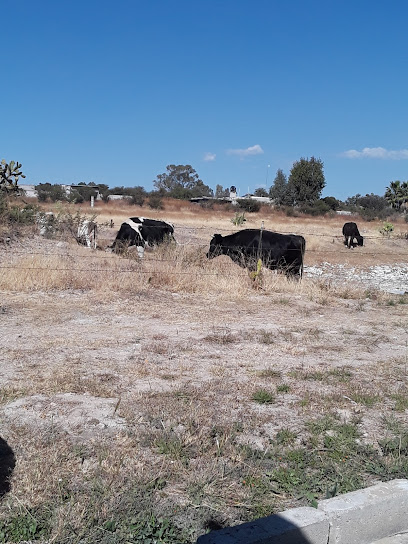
[{"x": 263, "y": 397}]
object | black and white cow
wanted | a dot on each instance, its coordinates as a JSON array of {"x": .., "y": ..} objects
[
  {"x": 87, "y": 233},
  {"x": 351, "y": 232},
  {"x": 277, "y": 251},
  {"x": 142, "y": 232}
]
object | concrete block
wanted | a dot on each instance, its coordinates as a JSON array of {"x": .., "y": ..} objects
[
  {"x": 395, "y": 539},
  {"x": 367, "y": 515},
  {"x": 296, "y": 526}
]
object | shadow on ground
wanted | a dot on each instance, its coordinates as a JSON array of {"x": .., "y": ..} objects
[
  {"x": 273, "y": 529},
  {"x": 7, "y": 464}
]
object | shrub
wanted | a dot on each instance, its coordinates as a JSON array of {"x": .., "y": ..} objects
[
  {"x": 386, "y": 229},
  {"x": 249, "y": 205},
  {"x": 317, "y": 208},
  {"x": 263, "y": 397},
  {"x": 155, "y": 201},
  {"x": 23, "y": 215},
  {"x": 239, "y": 219}
]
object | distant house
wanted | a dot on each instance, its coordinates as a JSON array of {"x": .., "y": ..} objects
[
  {"x": 232, "y": 198},
  {"x": 119, "y": 197},
  {"x": 344, "y": 212},
  {"x": 29, "y": 190},
  {"x": 263, "y": 199}
]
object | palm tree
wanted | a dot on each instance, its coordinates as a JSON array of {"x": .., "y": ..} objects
[{"x": 397, "y": 193}]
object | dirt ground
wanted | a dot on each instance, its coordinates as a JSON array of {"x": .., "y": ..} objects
[{"x": 90, "y": 368}]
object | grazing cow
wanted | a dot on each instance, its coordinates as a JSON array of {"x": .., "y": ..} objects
[
  {"x": 350, "y": 232},
  {"x": 283, "y": 252},
  {"x": 142, "y": 232},
  {"x": 87, "y": 233}
]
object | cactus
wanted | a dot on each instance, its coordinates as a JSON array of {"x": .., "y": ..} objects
[{"x": 9, "y": 174}]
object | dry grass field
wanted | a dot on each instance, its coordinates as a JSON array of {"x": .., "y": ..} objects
[{"x": 171, "y": 396}]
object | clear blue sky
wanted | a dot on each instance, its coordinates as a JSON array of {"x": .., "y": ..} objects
[{"x": 113, "y": 91}]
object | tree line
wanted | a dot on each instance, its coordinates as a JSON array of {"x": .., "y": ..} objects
[{"x": 300, "y": 191}]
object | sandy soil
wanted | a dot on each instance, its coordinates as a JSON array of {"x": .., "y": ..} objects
[{"x": 93, "y": 366}]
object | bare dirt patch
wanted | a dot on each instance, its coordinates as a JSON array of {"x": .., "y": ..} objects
[{"x": 125, "y": 403}]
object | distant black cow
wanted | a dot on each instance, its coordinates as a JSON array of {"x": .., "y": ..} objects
[
  {"x": 142, "y": 232},
  {"x": 282, "y": 252},
  {"x": 350, "y": 232}
]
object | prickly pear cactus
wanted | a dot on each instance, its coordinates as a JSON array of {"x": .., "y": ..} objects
[{"x": 9, "y": 174}]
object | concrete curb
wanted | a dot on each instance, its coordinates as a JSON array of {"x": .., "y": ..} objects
[{"x": 359, "y": 517}]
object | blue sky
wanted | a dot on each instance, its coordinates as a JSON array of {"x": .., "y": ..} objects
[{"x": 112, "y": 92}]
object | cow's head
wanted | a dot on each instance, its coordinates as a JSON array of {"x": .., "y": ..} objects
[
  {"x": 215, "y": 246},
  {"x": 360, "y": 240}
]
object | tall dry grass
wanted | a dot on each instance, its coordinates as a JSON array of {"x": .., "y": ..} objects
[{"x": 171, "y": 267}]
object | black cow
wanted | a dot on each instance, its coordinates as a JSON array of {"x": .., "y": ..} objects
[
  {"x": 350, "y": 232},
  {"x": 142, "y": 232},
  {"x": 282, "y": 252}
]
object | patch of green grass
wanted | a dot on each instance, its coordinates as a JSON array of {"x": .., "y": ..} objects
[
  {"x": 34, "y": 524},
  {"x": 145, "y": 529},
  {"x": 315, "y": 375},
  {"x": 263, "y": 397},
  {"x": 269, "y": 373},
  {"x": 285, "y": 437},
  {"x": 172, "y": 445},
  {"x": 283, "y": 388},
  {"x": 305, "y": 401},
  {"x": 401, "y": 402},
  {"x": 342, "y": 374},
  {"x": 366, "y": 398},
  {"x": 320, "y": 425}
]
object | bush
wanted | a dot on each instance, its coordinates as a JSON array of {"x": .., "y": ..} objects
[
  {"x": 386, "y": 229},
  {"x": 47, "y": 191},
  {"x": 332, "y": 202},
  {"x": 320, "y": 207},
  {"x": 290, "y": 211},
  {"x": 155, "y": 201},
  {"x": 249, "y": 205},
  {"x": 238, "y": 219},
  {"x": 23, "y": 215}
]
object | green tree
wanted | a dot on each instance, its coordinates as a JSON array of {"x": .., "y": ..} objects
[
  {"x": 48, "y": 191},
  {"x": 220, "y": 192},
  {"x": 370, "y": 206},
  {"x": 332, "y": 202},
  {"x": 260, "y": 191},
  {"x": 280, "y": 192},
  {"x": 306, "y": 180},
  {"x": 181, "y": 181},
  {"x": 138, "y": 194},
  {"x": 248, "y": 204},
  {"x": 396, "y": 194},
  {"x": 83, "y": 192}
]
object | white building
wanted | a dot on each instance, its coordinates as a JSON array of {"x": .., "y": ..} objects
[{"x": 29, "y": 190}]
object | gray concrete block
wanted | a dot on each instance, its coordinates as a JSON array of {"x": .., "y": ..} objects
[
  {"x": 296, "y": 526},
  {"x": 367, "y": 515},
  {"x": 395, "y": 539}
]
